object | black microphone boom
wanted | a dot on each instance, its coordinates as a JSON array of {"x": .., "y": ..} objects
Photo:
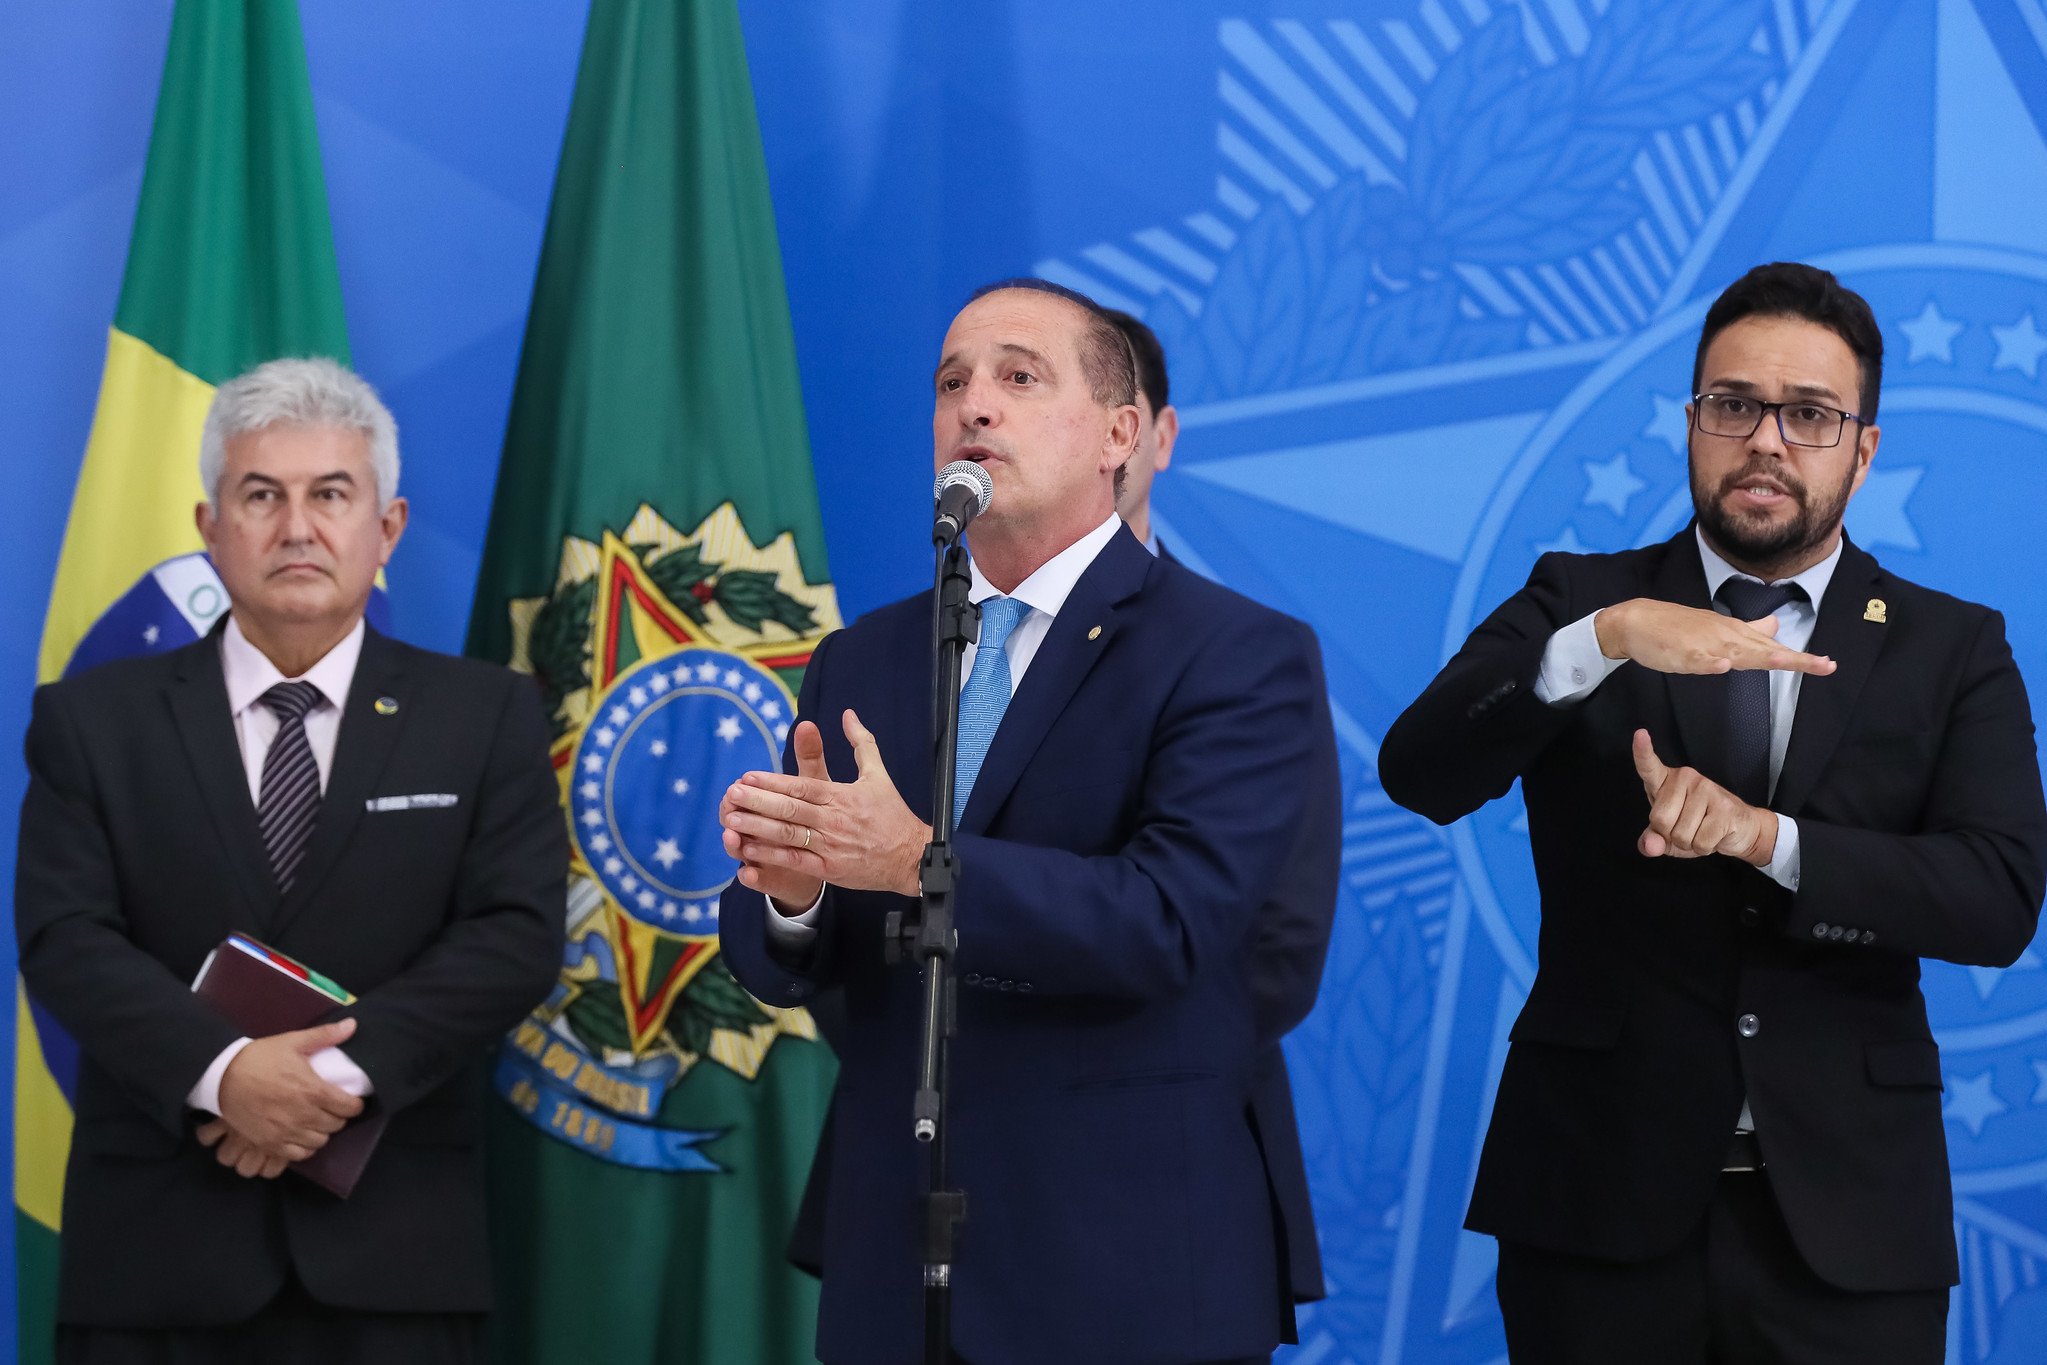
[{"x": 963, "y": 492}]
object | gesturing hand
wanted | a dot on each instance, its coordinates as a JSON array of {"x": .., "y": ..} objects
[
  {"x": 1691, "y": 816},
  {"x": 794, "y": 834},
  {"x": 271, "y": 1096},
  {"x": 1670, "y": 638}
]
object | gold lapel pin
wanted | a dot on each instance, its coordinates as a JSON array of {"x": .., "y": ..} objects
[
  {"x": 1876, "y": 611},
  {"x": 387, "y": 706},
  {"x": 1094, "y": 633}
]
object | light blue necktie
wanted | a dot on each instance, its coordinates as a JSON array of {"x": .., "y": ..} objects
[{"x": 986, "y": 695}]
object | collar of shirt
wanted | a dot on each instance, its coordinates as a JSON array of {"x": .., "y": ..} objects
[
  {"x": 1047, "y": 589},
  {"x": 1813, "y": 580},
  {"x": 249, "y": 672}
]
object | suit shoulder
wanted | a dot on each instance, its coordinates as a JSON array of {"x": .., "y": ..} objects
[
  {"x": 1189, "y": 597},
  {"x": 455, "y": 668},
  {"x": 117, "y": 679}
]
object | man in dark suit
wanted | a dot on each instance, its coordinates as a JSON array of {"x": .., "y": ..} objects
[
  {"x": 1122, "y": 818},
  {"x": 1718, "y": 1135},
  {"x": 1295, "y": 920},
  {"x": 385, "y": 815}
]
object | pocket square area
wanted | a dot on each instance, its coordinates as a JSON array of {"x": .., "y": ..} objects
[{"x": 417, "y": 801}]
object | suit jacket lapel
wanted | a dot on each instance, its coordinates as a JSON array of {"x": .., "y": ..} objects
[
  {"x": 1699, "y": 701},
  {"x": 364, "y": 746},
  {"x": 1080, "y": 634},
  {"x": 1843, "y": 634},
  {"x": 199, "y": 708}
]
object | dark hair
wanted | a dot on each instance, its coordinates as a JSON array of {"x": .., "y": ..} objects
[
  {"x": 1149, "y": 356},
  {"x": 1788, "y": 289},
  {"x": 1104, "y": 354}
]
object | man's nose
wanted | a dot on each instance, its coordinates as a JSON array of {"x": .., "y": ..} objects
[
  {"x": 298, "y": 521},
  {"x": 1768, "y": 438},
  {"x": 977, "y": 406}
]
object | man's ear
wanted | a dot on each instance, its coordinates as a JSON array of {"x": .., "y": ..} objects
[
  {"x": 1167, "y": 427},
  {"x": 1120, "y": 441}
]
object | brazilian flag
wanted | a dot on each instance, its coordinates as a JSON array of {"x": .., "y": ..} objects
[
  {"x": 655, "y": 560},
  {"x": 231, "y": 264}
]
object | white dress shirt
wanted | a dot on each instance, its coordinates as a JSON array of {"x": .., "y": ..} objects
[
  {"x": 1573, "y": 667},
  {"x": 1044, "y": 592},
  {"x": 248, "y": 674}
]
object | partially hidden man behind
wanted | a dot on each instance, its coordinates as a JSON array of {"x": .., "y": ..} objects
[
  {"x": 1129, "y": 775},
  {"x": 385, "y": 815},
  {"x": 1294, "y": 922},
  {"x": 1764, "y": 777}
]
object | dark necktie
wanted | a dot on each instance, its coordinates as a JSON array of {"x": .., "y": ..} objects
[
  {"x": 1748, "y": 692},
  {"x": 291, "y": 782}
]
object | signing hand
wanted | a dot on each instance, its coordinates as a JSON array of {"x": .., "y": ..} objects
[
  {"x": 272, "y": 1098},
  {"x": 238, "y": 1154},
  {"x": 1670, "y": 638},
  {"x": 1691, "y": 817},
  {"x": 794, "y": 834}
]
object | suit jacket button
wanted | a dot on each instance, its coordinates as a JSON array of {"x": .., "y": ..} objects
[
  {"x": 1851, "y": 936},
  {"x": 973, "y": 978},
  {"x": 1750, "y": 915},
  {"x": 794, "y": 992},
  {"x": 1836, "y": 933},
  {"x": 1748, "y": 1026},
  {"x": 1007, "y": 986},
  {"x": 1024, "y": 987},
  {"x": 1819, "y": 931},
  {"x": 1868, "y": 937}
]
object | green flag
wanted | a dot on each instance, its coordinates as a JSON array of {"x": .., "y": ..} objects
[
  {"x": 655, "y": 560},
  {"x": 231, "y": 264}
]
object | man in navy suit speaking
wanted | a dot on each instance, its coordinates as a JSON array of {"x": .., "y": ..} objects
[{"x": 1133, "y": 792}]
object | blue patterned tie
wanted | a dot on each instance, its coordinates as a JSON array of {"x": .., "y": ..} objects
[{"x": 986, "y": 695}]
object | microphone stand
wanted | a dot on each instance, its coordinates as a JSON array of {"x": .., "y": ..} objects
[{"x": 931, "y": 940}]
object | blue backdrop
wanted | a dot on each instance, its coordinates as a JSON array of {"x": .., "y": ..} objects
[{"x": 1428, "y": 275}]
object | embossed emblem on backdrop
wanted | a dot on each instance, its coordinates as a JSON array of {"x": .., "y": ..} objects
[
  {"x": 1439, "y": 318},
  {"x": 664, "y": 659}
]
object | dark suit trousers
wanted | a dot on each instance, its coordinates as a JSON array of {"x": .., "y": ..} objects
[
  {"x": 291, "y": 1330},
  {"x": 1737, "y": 1293}
]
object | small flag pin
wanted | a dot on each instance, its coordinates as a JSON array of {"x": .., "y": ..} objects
[
  {"x": 1095, "y": 633},
  {"x": 1876, "y": 611},
  {"x": 387, "y": 706}
]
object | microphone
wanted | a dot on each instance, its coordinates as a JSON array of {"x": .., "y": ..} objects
[{"x": 963, "y": 492}]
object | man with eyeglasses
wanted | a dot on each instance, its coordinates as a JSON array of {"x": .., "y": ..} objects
[{"x": 1764, "y": 777}]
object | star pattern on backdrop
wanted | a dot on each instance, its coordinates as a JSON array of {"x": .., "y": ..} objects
[
  {"x": 2019, "y": 347},
  {"x": 1931, "y": 335}
]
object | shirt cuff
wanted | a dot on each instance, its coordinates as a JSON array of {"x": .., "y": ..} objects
[
  {"x": 1573, "y": 665},
  {"x": 333, "y": 1066},
  {"x": 1783, "y": 865},
  {"x": 205, "y": 1096},
  {"x": 794, "y": 931}
]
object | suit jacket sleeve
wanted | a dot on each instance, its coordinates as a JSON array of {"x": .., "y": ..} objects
[
  {"x": 1479, "y": 725},
  {"x": 499, "y": 950},
  {"x": 1295, "y": 922},
  {"x": 1220, "y": 810},
  {"x": 141, "y": 1024},
  {"x": 768, "y": 974},
  {"x": 1966, "y": 885}
]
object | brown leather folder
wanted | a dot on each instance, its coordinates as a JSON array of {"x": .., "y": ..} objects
[{"x": 262, "y": 992}]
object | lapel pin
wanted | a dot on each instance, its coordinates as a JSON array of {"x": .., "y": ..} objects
[
  {"x": 387, "y": 706},
  {"x": 1094, "y": 633},
  {"x": 1876, "y": 611}
]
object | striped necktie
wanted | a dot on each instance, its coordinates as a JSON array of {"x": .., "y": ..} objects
[
  {"x": 290, "y": 797},
  {"x": 985, "y": 697}
]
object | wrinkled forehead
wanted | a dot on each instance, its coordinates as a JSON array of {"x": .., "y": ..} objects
[
  {"x": 1017, "y": 319},
  {"x": 284, "y": 449}
]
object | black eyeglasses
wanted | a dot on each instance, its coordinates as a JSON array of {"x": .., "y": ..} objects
[{"x": 1800, "y": 422}]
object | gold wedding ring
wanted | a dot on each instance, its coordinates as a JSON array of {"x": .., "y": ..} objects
[{"x": 806, "y": 838}]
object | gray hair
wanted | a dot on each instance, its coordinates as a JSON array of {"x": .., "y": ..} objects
[{"x": 311, "y": 392}]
